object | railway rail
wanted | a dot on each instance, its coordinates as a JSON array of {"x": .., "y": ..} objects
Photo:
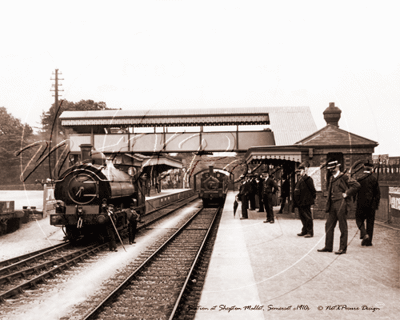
[
  {"x": 157, "y": 286},
  {"x": 26, "y": 271}
]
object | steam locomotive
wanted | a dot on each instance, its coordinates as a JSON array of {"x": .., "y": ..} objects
[
  {"x": 91, "y": 191},
  {"x": 213, "y": 187}
]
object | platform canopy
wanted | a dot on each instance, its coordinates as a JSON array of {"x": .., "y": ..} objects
[
  {"x": 163, "y": 163},
  {"x": 272, "y": 153}
]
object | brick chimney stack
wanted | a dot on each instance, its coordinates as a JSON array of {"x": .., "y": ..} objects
[{"x": 332, "y": 115}]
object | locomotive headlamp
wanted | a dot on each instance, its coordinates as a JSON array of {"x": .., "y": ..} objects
[
  {"x": 80, "y": 209},
  {"x": 132, "y": 171},
  {"x": 101, "y": 218}
]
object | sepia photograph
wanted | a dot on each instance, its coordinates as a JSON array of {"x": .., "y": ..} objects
[{"x": 183, "y": 159}]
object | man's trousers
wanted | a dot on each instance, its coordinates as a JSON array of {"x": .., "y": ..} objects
[{"x": 337, "y": 212}]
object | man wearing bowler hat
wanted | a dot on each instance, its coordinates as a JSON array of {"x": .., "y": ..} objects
[
  {"x": 304, "y": 195},
  {"x": 368, "y": 198},
  {"x": 340, "y": 189},
  {"x": 244, "y": 195},
  {"x": 269, "y": 188}
]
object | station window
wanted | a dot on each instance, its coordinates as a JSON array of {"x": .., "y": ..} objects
[
  {"x": 219, "y": 128},
  {"x": 143, "y": 130},
  {"x": 254, "y": 128},
  {"x": 183, "y": 129}
]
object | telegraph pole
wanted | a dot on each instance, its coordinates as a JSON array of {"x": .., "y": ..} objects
[{"x": 56, "y": 107}]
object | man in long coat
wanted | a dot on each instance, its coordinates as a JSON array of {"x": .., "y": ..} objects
[
  {"x": 340, "y": 190},
  {"x": 304, "y": 195},
  {"x": 260, "y": 193},
  {"x": 253, "y": 192},
  {"x": 368, "y": 198},
  {"x": 243, "y": 196},
  {"x": 285, "y": 192},
  {"x": 269, "y": 188},
  {"x": 133, "y": 217}
]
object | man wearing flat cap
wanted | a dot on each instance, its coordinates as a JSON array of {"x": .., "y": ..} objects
[
  {"x": 304, "y": 196},
  {"x": 133, "y": 217},
  {"x": 368, "y": 198},
  {"x": 340, "y": 189}
]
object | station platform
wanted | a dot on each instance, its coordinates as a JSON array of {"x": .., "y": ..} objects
[
  {"x": 166, "y": 197},
  {"x": 265, "y": 271}
]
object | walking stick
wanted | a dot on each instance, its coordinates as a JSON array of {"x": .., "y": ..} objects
[{"x": 115, "y": 228}]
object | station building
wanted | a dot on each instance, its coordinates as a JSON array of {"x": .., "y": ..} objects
[{"x": 237, "y": 141}]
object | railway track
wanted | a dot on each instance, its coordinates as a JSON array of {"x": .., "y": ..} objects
[
  {"x": 157, "y": 286},
  {"x": 25, "y": 272}
]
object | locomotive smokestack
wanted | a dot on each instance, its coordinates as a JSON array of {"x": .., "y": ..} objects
[
  {"x": 86, "y": 152},
  {"x": 211, "y": 169}
]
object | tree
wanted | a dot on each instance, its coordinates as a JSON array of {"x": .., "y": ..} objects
[
  {"x": 13, "y": 136},
  {"x": 48, "y": 124}
]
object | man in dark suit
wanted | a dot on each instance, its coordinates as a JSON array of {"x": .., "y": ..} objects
[
  {"x": 260, "y": 193},
  {"x": 304, "y": 195},
  {"x": 368, "y": 198},
  {"x": 253, "y": 191},
  {"x": 340, "y": 189},
  {"x": 243, "y": 196},
  {"x": 269, "y": 188},
  {"x": 285, "y": 191},
  {"x": 133, "y": 217}
]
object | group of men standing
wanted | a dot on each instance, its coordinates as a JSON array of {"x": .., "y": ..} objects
[
  {"x": 132, "y": 218},
  {"x": 265, "y": 187},
  {"x": 342, "y": 189}
]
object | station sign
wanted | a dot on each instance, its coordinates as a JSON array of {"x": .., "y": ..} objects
[{"x": 394, "y": 200}]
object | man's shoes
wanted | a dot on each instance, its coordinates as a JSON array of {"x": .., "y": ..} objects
[
  {"x": 267, "y": 221},
  {"x": 301, "y": 234},
  {"x": 243, "y": 218},
  {"x": 114, "y": 250},
  {"x": 272, "y": 221},
  {"x": 365, "y": 240},
  {"x": 369, "y": 244},
  {"x": 341, "y": 251},
  {"x": 324, "y": 250},
  {"x": 308, "y": 236}
]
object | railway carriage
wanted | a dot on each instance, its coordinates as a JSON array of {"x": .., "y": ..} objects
[{"x": 213, "y": 187}]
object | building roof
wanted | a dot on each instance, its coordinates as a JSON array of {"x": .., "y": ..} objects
[
  {"x": 288, "y": 124},
  {"x": 169, "y": 117},
  {"x": 331, "y": 135}
]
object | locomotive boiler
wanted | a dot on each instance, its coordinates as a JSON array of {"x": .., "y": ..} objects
[
  {"x": 213, "y": 187},
  {"x": 91, "y": 191}
]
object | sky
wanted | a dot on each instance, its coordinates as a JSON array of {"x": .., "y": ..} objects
[{"x": 172, "y": 54}]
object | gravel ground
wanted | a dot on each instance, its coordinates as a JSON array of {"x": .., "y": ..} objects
[
  {"x": 32, "y": 236},
  {"x": 84, "y": 281}
]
